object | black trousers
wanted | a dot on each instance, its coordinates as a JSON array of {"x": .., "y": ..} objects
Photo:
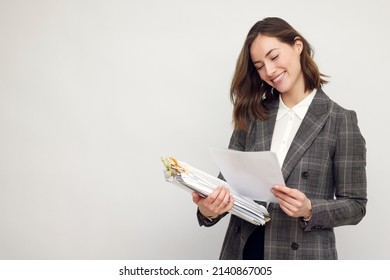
[{"x": 254, "y": 247}]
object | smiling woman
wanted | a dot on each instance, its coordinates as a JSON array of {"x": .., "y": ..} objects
[
  {"x": 273, "y": 59},
  {"x": 272, "y": 49},
  {"x": 279, "y": 105},
  {"x": 92, "y": 93}
]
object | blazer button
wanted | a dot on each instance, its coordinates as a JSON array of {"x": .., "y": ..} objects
[
  {"x": 305, "y": 174},
  {"x": 294, "y": 246}
]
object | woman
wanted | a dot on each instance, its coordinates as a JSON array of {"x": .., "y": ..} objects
[{"x": 279, "y": 105}]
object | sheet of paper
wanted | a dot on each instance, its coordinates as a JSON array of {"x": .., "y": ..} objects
[{"x": 250, "y": 174}]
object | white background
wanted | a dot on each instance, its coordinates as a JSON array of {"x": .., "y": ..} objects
[{"x": 93, "y": 93}]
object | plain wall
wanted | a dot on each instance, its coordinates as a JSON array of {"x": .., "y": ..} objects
[{"x": 93, "y": 93}]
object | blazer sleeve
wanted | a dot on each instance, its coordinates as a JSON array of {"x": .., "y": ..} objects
[{"x": 350, "y": 182}]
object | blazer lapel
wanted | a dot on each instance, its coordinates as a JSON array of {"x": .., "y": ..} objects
[{"x": 311, "y": 125}]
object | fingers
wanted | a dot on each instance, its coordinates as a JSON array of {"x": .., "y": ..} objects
[
  {"x": 292, "y": 201},
  {"x": 218, "y": 202},
  {"x": 288, "y": 195},
  {"x": 195, "y": 197},
  {"x": 220, "y": 197}
]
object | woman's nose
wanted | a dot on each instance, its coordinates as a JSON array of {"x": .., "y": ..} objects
[{"x": 270, "y": 69}]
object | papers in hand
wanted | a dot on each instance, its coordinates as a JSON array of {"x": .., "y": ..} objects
[
  {"x": 182, "y": 174},
  {"x": 251, "y": 174}
]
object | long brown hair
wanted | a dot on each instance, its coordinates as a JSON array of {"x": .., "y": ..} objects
[{"x": 248, "y": 93}]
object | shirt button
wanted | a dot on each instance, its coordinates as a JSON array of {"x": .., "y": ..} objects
[
  {"x": 294, "y": 246},
  {"x": 305, "y": 174}
]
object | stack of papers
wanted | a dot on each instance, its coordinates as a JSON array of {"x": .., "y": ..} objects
[{"x": 182, "y": 174}]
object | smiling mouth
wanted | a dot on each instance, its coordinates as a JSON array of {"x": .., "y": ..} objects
[{"x": 278, "y": 78}]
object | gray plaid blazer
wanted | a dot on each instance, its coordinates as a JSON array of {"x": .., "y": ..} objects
[{"x": 326, "y": 161}]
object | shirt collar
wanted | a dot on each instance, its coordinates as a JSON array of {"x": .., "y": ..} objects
[{"x": 299, "y": 109}]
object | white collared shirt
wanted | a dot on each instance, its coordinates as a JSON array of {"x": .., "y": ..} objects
[{"x": 287, "y": 124}]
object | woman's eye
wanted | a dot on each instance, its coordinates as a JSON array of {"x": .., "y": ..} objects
[
  {"x": 259, "y": 67},
  {"x": 275, "y": 57}
]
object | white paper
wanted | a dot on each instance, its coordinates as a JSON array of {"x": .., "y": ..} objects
[{"x": 250, "y": 174}]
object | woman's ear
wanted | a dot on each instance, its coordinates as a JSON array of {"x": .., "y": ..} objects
[{"x": 298, "y": 44}]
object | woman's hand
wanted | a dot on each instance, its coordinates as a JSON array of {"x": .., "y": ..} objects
[
  {"x": 217, "y": 203},
  {"x": 292, "y": 201}
]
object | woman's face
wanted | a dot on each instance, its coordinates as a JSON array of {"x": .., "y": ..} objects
[{"x": 278, "y": 63}]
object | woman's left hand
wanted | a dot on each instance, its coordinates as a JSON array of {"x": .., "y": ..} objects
[{"x": 293, "y": 202}]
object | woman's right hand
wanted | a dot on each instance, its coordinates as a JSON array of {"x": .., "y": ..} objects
[{"x": 218, "y": 202}]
